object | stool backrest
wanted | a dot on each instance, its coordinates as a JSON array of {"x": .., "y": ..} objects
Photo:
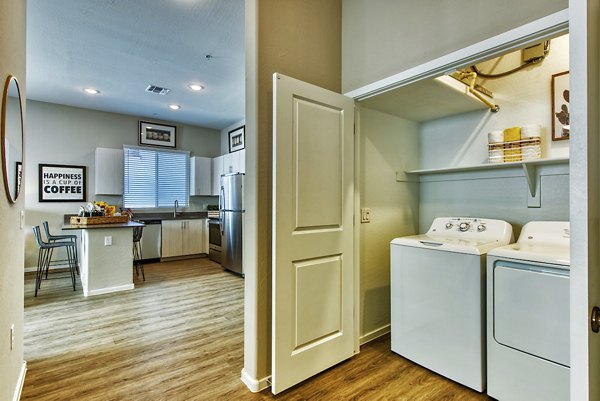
[
  {"x": 38, "y": 235},
  {"x": 46, "y": 229}
]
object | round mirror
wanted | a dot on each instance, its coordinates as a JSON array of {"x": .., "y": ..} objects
[{"x": 12, "y": 138}]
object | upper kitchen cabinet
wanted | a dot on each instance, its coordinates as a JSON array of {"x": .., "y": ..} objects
[
  {"x": 228, "y": 163},
  {"x": 200, "y": 176},
  {"x": 109, "y": 171},
  {"x": 217, "y": 171}
]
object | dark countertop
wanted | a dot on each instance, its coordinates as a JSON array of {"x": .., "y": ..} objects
[
  {"x": 130, "y": 224},
  {"x": 156, "y": 216}
]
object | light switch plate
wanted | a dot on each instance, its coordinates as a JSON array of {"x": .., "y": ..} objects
[
  {"x": 108, "y": 240},
  {"x": 365, "y": 215}
]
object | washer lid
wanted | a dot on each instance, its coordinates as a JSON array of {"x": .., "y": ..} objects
[{"x": 448, "y": 244}]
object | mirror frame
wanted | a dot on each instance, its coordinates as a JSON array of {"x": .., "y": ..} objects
[{"x": 7, "y": 83}]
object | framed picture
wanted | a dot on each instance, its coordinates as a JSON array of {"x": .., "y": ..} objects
[
  {"x": 18, "y": 177},
  {"x": 61, "y": 183},
  {"x": 153, "y": 134},
  {"x": 560, "y": 106},
  {"x": 236, "y": 139}
]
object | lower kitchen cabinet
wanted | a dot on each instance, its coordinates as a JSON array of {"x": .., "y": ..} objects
[{"x": 183, "y": 237}]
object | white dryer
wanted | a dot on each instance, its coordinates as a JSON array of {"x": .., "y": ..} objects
[
  {"x": 438, "y": 296},
  {"x": 528, "y": 315}
]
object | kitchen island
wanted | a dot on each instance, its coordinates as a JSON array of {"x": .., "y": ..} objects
[{"x": 106, "y": 257}]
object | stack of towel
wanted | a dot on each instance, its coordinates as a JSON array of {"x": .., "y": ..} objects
[
  {"x": 515, "y": 144},
  {"x": 512, "y": 147},
  {"x": 531, "y": 148},
  {"x": 496, "y": 146}
]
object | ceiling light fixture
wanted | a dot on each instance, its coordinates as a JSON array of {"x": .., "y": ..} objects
[
  {"x": 174, "y": 106},
  {"x": 91, "y": 91},
  {"x": 195, "y": 87}
]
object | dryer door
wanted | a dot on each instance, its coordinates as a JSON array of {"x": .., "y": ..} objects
[{"x": 531, "y": 310}]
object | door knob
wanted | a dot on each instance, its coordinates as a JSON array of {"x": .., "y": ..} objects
[{"x": 595, "y": 319}]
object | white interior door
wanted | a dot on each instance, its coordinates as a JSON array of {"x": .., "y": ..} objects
[
  {"x": 313, "y": 267},
  {"x": 584, "y": 17}
]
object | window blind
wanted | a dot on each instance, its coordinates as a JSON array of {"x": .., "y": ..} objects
[{"x": 155, "y": 178}]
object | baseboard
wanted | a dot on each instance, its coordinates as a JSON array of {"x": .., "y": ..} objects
[
  {"x": 255, "y": 385},
  {"x": 33, "y": 269},
  {"x": 19, "y": 386},
  {"x": 109, "y": 290},
  {"x": 365, "y": 338}
]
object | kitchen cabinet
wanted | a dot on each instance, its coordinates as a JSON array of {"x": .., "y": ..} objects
[
  {"x": 184, "y": 237},
  {"x": 200, "y": 176},
  {"x": 108, "y": 171},
  {"x": 228, "y": 163},
  {"x": 217, "y": 170}
]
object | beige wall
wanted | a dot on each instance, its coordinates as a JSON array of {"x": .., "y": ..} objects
[
  {"x": 301, "y": 39},
  {"x": 384, "y": 37},
  {"x": 12, "y": 61},
  {"x": 387, "y": 144}
]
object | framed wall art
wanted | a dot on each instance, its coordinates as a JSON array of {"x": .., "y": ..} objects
[
  {"x": 62, "y": 183},
  {"x": 561, "y": 128},
  {"x": 236, "y": 139},
  {"x": 153, "y": 134}
]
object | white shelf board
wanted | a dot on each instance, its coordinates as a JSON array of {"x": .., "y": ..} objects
[{"x": 491, "y": 166}]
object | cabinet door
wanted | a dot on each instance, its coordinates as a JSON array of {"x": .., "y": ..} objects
[
  {"x": 192, "y": 238},
  {"x": 200, "y": 176},
  {"x": 108, "y": 171},
  {"x": 241, "y": 161},
  {"x": 171, "y": 238},
  {"x": 217, "y": 171},
  {"x": 228, "y": 163}
]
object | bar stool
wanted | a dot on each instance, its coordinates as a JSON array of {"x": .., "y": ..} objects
[
  {"x": 45, "y": 254},
  {"x": 54, "y": 238},
  {"x": 137, "y": 252}
]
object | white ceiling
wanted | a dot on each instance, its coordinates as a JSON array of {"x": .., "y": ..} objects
[{"x": 121, "y": 47}]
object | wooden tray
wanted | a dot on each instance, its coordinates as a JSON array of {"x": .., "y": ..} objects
[{"x": 87, "y": 221}]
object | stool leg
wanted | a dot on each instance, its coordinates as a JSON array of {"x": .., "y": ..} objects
[
  {"x": 141, "y": 263},
  {"x": 71, "y": 258},
  {"x": 40, "y": 269},
  {"x": 49, "y": 260},
  {"x": 76, "y": 256}
]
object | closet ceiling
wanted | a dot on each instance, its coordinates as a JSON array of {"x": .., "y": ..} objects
[{"x": 121, "y": 47}]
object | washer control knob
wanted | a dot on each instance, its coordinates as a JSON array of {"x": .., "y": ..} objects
[
  {"x": 463, "y": 226},
  {"x": 449, "y": 226},
  {"x": 480, "y": 228}
]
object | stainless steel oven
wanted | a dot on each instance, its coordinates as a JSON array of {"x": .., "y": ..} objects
[{"x": 214, "y": 240}]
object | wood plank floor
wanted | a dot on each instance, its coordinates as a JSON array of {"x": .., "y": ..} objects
[{"x": 179, "y": 336}]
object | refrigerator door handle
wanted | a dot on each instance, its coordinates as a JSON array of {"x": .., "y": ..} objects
[{"x": 221, "y": 213}]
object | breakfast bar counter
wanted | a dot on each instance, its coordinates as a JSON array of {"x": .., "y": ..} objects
[{"x": 106, "y": 257}]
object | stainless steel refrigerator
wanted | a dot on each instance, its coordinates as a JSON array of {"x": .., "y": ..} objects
[{"x": 231, "y": 211}]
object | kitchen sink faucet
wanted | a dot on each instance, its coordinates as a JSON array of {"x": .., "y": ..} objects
[{"x": 175, "y": 208}]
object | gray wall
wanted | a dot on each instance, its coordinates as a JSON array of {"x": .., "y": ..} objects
[
  {"x": 68, "y": 135},
  {"x": 383, "y": 37}
]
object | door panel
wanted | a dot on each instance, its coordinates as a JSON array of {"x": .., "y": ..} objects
[
  {"x": 313, "y": 265},
  {"x": 317, "y": 137}
]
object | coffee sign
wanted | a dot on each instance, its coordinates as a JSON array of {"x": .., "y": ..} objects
[{"x": 60, "y": 183}]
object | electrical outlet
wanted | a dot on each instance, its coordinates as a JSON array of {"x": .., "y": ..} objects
[
  {"x": 108, "y": 240},
  {"x": 365, "y": 215},
  {"x": 12, "y": 336}
]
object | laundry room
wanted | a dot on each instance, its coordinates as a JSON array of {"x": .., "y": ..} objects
[{"x": 483, "y": 143}]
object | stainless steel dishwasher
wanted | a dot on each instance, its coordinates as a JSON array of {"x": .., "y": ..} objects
[{"x": 151, "y": 241}]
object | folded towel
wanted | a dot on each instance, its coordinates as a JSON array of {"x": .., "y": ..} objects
[
  {"x": 531, "y": 131},
  {"x": 496, "y": 136},
  {"x": 510, "y": 135}
]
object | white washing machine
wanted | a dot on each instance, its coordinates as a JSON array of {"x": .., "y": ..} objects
[
  {"x": 438, "y": 296},
  {"x": 528, "y": 315}
]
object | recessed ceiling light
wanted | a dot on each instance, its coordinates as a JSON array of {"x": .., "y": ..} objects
[
  {"x": 91, "y": 91},
  {"x": 174, "y": 106},
  {"x": 196, "y": 87}
]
